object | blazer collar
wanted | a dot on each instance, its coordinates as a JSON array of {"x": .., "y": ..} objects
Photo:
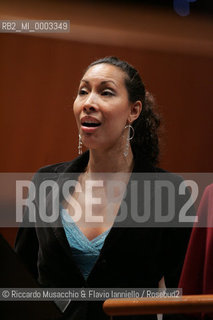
[{"x": 79, "y": 164}]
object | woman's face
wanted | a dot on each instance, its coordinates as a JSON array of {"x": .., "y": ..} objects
[{"x": 102, "y": 108}]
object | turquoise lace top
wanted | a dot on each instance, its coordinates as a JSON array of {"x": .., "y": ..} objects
[{"x": 85, "y": 252}]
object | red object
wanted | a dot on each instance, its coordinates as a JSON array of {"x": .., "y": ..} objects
[{"x": 197, "y": 272}]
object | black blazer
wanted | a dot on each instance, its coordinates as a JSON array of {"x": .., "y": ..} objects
[{"x": 130, "y": 257}]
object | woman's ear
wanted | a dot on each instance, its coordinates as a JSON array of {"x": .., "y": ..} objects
[{"x": 135, "y": 111}]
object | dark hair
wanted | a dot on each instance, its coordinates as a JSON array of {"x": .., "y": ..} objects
[{"x": 145, "y": 140}]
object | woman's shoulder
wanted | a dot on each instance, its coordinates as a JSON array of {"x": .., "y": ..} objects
[
  {"x": 156, "y": 173},
  {"x": 75, "y": 165},
  {"x": 56, "y": 167},
  {"x": 173, "y": 176}
]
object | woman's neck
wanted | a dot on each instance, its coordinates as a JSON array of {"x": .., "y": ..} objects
[{"x": 110, "y": 161}]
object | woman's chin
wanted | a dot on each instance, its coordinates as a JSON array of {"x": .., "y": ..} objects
[{"x": 91, "y": 146}]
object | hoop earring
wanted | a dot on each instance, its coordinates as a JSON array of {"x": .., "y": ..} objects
[
  {"x": 126, "y": 151},
  {"x": 133, "y": 131},
  {"x": 79, "y": 144}
]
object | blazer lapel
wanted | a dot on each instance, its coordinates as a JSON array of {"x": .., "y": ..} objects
[{"x": 72, "y": 172}]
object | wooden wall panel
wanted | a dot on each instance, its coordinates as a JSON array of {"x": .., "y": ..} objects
[{"x": 39, "y": 80}]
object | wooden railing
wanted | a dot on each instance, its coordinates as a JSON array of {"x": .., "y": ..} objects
[{"x": 182, "y": 304}]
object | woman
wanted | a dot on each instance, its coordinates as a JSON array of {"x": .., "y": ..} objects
[{"x": 116, "y": 122}]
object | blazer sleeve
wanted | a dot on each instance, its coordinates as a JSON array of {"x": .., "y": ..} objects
[
  {"x": 176, "y": 243},
  {"x": 26, "y": 243},
  {"x": 174, "y": 254},
  {"x": 26, "y": 246}
]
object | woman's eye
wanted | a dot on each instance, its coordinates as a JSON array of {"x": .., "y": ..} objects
[
  {"x": 82, "y": 92},
  {"x": 107, "y": 93}
]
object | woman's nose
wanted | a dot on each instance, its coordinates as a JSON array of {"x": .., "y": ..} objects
[
  {"x": 90, "y": 104},
  {"x": 89, "y": 107}
]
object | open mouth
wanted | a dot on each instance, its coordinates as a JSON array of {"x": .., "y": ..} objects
[{"x": 90, "y": 124}]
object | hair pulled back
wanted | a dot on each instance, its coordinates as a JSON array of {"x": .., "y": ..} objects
[{"x": 145, "y": 141}]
